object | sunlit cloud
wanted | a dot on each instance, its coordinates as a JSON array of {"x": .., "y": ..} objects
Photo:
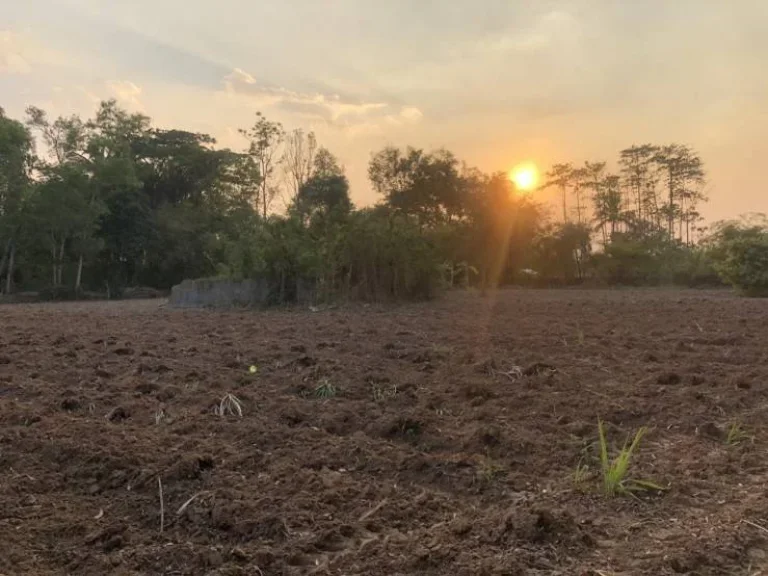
[
  {"x": 356, "y": 116},
  {"x": 127, "y": 94}
]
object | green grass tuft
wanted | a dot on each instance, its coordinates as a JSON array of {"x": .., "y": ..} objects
[
  {"x": 615, "y": 480},
  {"x": 325, "y": 390},
  {"x": 736, "y": 434}
]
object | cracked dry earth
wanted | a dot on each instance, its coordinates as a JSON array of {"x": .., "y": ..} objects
[{"x": 433, "y": 438}]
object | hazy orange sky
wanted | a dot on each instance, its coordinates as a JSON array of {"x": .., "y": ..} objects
[{"x": 496, "y": 81}]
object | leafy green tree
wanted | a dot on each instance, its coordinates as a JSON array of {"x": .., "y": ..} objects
[
  {"x": 427, "y": 186},
  {"x": 66, "y": 181},
  {"x": 740, "y": 254},
  {"x": 562, "y": 252},
  {"x": 60, "y": 211},
  {"x": 326, "y": 191},
  {"x": 16, "y": 161}
]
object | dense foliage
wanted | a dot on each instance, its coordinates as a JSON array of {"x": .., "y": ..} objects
[
  {"x": 740, "y": 254},
  {"x": 112, "y": 202}
]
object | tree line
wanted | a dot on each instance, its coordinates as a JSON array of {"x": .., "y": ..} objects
[
  {"x": 111, "y": 202},
  {"x": 657, "y": 188}
]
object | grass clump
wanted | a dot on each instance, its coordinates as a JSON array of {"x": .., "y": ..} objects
[
  {"x": 615, "y": 471},
  {"x": 325, "y": 390},
  {"x": 229, "y": 405},
  {"x": 581, "y": 474},
  {"x": 381, "y": 394},
  {"x": 488, "y": 469},
  {"x": 736, "y": 434}
]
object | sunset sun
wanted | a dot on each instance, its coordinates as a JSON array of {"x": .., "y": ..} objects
[{"x": 525, "y": 176}]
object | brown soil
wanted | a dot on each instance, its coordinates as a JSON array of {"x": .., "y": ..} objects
[{"x": 449, "y": 447}]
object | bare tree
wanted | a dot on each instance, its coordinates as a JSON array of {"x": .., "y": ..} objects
[{"x": 298, "y": 159}]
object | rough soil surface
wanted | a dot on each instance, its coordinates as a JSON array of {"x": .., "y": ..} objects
[{"x": 449, "y": 447}]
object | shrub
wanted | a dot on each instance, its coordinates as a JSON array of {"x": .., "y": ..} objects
[
  {"x": 740, "y": 254},
  {"x": 653, "y": 260}
]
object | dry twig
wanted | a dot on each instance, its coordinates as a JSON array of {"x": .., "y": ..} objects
[{"x": 162, "y": 505}]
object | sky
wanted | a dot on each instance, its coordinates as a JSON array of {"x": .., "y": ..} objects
[{"x": 498, "y": 82}]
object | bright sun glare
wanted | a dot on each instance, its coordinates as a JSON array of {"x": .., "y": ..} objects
[{"x": 525, "y": 176}]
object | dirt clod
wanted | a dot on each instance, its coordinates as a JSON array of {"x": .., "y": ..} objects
[
  {"x": 118, "y": 414},
  {"x": 668, "y": 378},
  {"x": 538, "y": 368}
]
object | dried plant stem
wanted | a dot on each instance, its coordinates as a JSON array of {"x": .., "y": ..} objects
[{"x": 162, "y": 505}]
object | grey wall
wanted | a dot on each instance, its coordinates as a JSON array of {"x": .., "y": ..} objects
[{"x": 219, "y": 293}]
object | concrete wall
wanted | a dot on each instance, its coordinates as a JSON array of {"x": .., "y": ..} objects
[{"x": 219, "y": 293}]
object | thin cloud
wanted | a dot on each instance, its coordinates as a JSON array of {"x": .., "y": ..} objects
[
  {"x": 18, "y": 53},
  {"x": 127, "y": 93},
  {"x": 359, "y": 115}
]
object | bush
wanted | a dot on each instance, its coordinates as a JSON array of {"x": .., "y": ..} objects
[
  {"x": 370, "y": 254},
  {"x": 653, "y": 260},
  {"x": 740, "y": 254},
  {"x": 387, "y": 257},
  {"x": 561, "y": 254}
]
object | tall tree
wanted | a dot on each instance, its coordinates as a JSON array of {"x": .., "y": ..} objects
[
  {"x": 425, "y": 185},
  {"x": 608, "y": 206},
  {"x": 16, "y": 161},
  {"x": 683, "y": 171},
  {"x": 126, "y": 227},
  {"x": 561, "y": 176},
  {"x": 265, "y": 141},
  {"x": 66, "y": 181},
  {"x": 60, "y": 209},
  {"x": 298, "y": 159},
  {"x": 503, "y": 224},
  {"x": 326, "y": 191},
  {"x": 590, "y": 177},
  {"x": 636, "y": 163}
]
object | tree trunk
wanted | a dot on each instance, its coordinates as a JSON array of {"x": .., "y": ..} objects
[
  {"x": 671, "y": 215},
  {"x": 6, "y": 254},
  {"x": 60, "y": 263},
  {"x": 9, "y": 278},
  {"x": 79, "y": 273},
  {"x": 53, "y": 259},
  {"x": 565, "y": 210},
  {"x": 577, "y": 257},
  {"x": 578, "y": 205}
]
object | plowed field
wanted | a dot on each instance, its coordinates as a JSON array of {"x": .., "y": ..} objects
[{"x": 452, "y": 437}]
